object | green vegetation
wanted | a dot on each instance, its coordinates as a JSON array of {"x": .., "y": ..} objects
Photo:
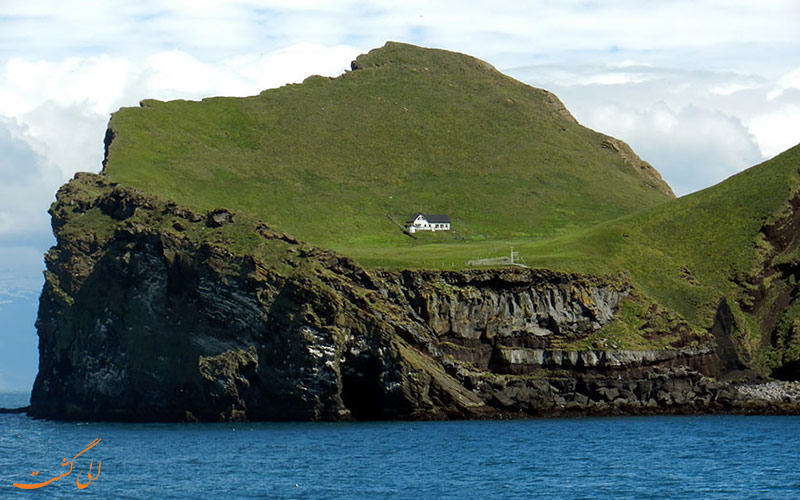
[
  {"x": 685, "y": 254},
  {"x": 335, "y": 161},
  {"x": 411, "y": 130},
  {"x": 691, "y": 252}
]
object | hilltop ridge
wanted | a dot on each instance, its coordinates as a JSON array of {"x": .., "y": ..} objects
[
  {"x": 410, "y": 129},
  {"x": 239, "y": 259}
]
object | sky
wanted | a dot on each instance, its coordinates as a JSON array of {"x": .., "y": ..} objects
[{"x": 700, "y": 89}]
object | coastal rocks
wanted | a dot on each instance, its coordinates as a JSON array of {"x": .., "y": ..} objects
[
  {"x": 773, "y": 391},
  {"x": 22, "y": 409},
  {"x": 511, "y": 303},
  {"x": 770, "y": 289},
  {"x": 661, "y": 390},
  {"x": 218, "y": 217},
  {"x": 153, "y": 312},
  {"x": 521, "y": 360}
]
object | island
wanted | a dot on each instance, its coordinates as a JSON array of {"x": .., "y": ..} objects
[{"x": 246, "y": 259}]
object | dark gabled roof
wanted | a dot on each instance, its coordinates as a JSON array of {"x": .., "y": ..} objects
[
  {"x": 432, "y": 218},
  {"x": 438, "y": 218},
  {"x": 414, "y": 217}
]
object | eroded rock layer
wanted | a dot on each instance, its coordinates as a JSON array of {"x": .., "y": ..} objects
[{"x": 153, "y": 312}]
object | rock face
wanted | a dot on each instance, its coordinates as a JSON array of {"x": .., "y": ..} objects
[{"x": 153, "y": 312}]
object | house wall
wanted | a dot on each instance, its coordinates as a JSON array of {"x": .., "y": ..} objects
[
  {"x": 413, "y": 228},
  {"x": 422, "y": 224}
]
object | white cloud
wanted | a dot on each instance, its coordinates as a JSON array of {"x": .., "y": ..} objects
[
  {"x": 177, "y": 74},
  {"x": 726, "y": 89},
  {"x": 777, "y": 131},
  {"x": 672, "y": 51},
  {"x": 696, "y": 126},
  {"x": 68, "y": 136},
  {"x": 63, "y": 105},
  {"x": 97, "y": 80},
  {"x": 695, "y": 147},
  {"x": 790, "y": 80},
  {"x": 504, "y": 27},
  {"x": 685, "y": 83},
  {"x": 29, "y": 182},
  {"x": 53, "y": 115},
  {"x": 613, "y": 78}
]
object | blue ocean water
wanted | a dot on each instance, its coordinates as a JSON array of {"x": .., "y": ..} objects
[{"x": 600, "y": 458}]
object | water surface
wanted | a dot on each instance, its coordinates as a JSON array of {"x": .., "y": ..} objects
[{"x": 604, "y": 458}]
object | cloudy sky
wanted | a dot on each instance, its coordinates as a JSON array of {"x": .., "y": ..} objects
[{"x": 700, "y": 89}]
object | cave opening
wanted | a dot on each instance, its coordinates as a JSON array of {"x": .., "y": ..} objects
[{"x": 361, "y": 388}]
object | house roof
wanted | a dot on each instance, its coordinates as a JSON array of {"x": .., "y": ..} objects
[
  {"x": 432, "y": 218},
  {"x": 414, "y": 217},
  {"x": 438, "y": 218}
]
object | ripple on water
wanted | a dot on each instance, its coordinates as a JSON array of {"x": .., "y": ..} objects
[{"x": 654, "y": 457}]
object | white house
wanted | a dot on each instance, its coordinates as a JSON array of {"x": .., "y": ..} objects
[{"x": 427, "y": 222}]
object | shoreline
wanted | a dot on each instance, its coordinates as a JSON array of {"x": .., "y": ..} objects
[{"x": 770, "y": 398}]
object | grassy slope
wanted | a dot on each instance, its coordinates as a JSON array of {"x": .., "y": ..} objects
[
  {"x": 417, "y": 129},
  {"x": 683, "y": 253},
  {"x": 686, "y": 254},
  {"x": 412, "y": 129}
]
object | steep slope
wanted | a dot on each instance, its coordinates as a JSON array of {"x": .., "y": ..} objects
[
  {"x": 152, "y": 311},
  {"x": 736, "y": 240},
  {"x": 176, "y": 293},
  {"x": 409, "y": 129}
]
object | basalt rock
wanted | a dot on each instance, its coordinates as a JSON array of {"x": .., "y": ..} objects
[{"x": 153, "y": 312}]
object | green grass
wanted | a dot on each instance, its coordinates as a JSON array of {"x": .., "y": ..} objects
[
  {"x": 333, "y": 160},
  {"x": 684, "y": 253},
  {"x": 411, "y": 130}
]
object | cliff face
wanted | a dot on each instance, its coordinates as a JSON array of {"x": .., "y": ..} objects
[{"x": 153, "y": 312}]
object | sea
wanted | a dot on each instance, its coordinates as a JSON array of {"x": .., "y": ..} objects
[{"x": 692, "y": 457}]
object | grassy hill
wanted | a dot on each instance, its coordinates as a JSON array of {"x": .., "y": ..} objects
[
  {"x": 333, "y": 160},
  {"x": 737, "y": 239},
  {"x": 339, "y": 161}
]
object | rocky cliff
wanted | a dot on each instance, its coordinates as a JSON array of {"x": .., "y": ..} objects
[{"x": 151, "y": 311}]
